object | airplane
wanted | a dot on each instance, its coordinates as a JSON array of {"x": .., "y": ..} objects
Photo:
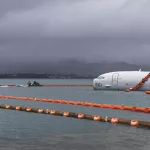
[{"x": 123, "y": 81}]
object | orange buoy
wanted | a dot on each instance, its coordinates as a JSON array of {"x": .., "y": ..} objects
[
  {"x": 127, "y": 90},
  {"x": 17, "y": 107},
  {"x": 7, "y": 106},
  {"x": 114, "y": 120},
  {"x": 97, "y": 118},
  {"x": 134, "y": 122},
  {"x": 53, "y": 112},
  {"x": 28, "y": 109},
  {"x": 80, "y": 116},
  {"x": 66, "y": 114},
  {"x": 147, "y": 92},
  {"x": 40, "y": 110}
]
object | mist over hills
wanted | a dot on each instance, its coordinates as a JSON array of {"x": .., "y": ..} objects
[{"x": 70, "y": 67}]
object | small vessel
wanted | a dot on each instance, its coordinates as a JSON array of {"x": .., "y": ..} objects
[{"x": 29, "y": 84}]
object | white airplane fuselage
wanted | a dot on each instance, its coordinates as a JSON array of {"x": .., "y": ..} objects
[{"x": 121, "y": 80}]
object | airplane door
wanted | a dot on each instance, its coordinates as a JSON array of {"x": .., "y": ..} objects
[{"x": 115, "y": 79}]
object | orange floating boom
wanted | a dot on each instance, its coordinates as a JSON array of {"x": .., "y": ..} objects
[
  {"x": 67, "y": 85},
  {"x": 135, "y": 123},
  {"x": 147, "y": 92},
  {"x": 109, "y": 106}
]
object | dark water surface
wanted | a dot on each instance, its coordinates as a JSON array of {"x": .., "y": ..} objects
[{"x": 27, "y": 131}]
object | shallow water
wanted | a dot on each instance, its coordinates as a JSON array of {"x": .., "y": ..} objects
[{"x": 20, "y": 130}]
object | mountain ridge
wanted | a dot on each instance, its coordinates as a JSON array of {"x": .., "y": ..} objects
[{"x": 71, "y": 67}]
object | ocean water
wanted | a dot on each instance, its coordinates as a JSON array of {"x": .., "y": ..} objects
[{"x": 29, "y": 131}]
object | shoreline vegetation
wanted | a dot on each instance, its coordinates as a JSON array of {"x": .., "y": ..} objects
[
  {"x": 69, "y": 69},
  {"x": 44, "y": 76}
]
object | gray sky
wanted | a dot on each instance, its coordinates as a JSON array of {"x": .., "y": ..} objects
[{"x": 92, "y": 30}]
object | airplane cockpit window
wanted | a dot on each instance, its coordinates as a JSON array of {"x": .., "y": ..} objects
[{"x": 101, "y": 77}]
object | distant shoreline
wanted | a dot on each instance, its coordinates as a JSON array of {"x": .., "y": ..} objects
[{"x": 44, "y": 76}]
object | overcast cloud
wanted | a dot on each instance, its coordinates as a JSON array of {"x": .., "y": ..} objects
[{"x": 92, "y": 30}]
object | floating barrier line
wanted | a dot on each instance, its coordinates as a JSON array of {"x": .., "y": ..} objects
[
  {"x": 108, "y": 106},
  {"x": 67, "y": 85},
  {"x": 136, "y": 123},
  {"x": 61, "y": 85}
]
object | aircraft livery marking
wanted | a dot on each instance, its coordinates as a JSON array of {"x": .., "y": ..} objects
[{"x": 98, "y": 84}]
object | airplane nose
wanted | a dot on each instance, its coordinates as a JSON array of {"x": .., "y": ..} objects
[{"x": 94, "y": 81}]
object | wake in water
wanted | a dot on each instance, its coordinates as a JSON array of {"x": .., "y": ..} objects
[{"x": 14, "y": 86}]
